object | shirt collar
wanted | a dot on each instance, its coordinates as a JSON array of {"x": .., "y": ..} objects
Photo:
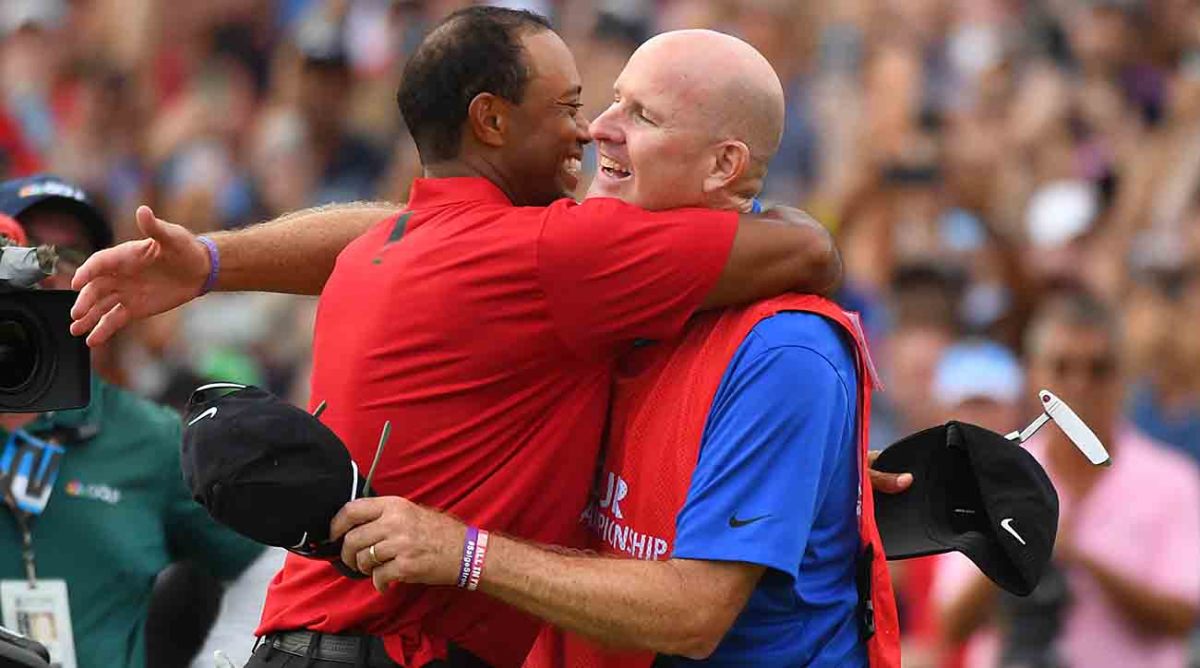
[{"x": 439, "y": 192}]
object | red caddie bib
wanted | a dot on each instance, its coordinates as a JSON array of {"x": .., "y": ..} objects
[{"x": 659, "y": 411}]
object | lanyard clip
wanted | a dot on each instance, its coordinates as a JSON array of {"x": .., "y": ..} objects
[{"x": 28, "y": 469}]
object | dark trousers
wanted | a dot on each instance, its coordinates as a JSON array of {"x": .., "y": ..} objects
[{"x": 372, "y": 656}]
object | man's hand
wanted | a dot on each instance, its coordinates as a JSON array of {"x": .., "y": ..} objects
[
  {"x": 293, "y": 254},
  {"x": 888, "y": 483},
  {"x": 138, "y": 279},
  {"x": 412, "y": 543}
]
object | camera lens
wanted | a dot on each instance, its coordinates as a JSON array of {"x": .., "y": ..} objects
[{"x": 18, "y": 355}]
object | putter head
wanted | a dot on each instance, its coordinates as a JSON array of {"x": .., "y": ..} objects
[{"x": 1074, "y": 427}]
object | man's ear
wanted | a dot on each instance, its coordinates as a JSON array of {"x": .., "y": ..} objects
[
  {"x": 488, "y": 117},
  {"x": 731, "y": 162}
]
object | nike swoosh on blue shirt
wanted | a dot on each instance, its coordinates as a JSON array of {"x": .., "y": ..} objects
[{"x": 735, "y": 523}]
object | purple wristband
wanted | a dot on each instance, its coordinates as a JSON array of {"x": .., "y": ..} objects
[
  {"x": 214, "y": 261},
  {"x": 481, "y": 548},
  {"x": 468, "y": 557}
]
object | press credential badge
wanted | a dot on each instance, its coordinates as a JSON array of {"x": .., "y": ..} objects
[{"x": 41, "y": 612}]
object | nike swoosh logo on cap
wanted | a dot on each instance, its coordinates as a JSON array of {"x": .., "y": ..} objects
[
  {"x": 208, "y": 413},
  {"x": 735, "y": 523},
  {"x": 1006, "y": 524}
]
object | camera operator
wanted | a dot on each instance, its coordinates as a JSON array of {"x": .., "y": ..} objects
[{"x": 118, "y": 513}]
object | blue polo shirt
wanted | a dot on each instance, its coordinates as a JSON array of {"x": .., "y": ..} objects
[{"x": 777, "y": 485}]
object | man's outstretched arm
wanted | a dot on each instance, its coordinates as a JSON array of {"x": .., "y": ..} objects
[
  {"x": 293, "y": 254},
  {"x": 774, "y": 252},
  {"x": 680, "y": 606}
]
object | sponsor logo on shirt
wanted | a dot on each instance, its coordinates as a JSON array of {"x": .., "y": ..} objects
[
  {"x": 96, "y": 492},
  {"x": 617, "y": 489},
  {"x": 604, "y": 517},
  {"x": 736, "y": 523}
]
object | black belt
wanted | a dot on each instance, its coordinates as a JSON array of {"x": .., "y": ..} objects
[
  {"x": 354, "y": 650},
  {"x": 350, "y": 650}
]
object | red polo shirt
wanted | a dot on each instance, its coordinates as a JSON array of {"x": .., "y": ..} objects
[{"x": 486, "y": 333}]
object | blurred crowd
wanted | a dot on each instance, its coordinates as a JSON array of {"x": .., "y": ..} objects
[{"x": 974, "y": 158}]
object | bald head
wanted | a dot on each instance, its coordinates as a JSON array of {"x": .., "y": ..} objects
[{"x": 734, "y": 90}]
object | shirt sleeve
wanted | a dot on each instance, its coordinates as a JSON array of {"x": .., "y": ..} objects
[
  {"x": 191, "y": 533},
  {"x": 772, "y": 445},
  {"x": 613, "y": 273}
]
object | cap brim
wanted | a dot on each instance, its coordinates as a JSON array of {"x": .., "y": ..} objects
[
  {"x": 904, "y": 519},
  {"x": 98, "y": 231}
]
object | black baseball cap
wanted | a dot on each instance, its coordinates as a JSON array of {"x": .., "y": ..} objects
[
  {"x": 267, "y": 469},
  {"x": 18, "y": 196},
  {"x": 973, "y": 491}
]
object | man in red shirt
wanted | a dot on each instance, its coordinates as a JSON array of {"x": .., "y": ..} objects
[{"x": 487, "y": 337}]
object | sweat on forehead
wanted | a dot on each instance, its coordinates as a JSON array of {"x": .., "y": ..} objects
[{"x": 725, "y": 80}]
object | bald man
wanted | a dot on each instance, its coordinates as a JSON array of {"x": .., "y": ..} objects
[{"x": 734, "y": 461}]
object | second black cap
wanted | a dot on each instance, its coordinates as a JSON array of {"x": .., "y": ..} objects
[{"x": 973, "y": 491}]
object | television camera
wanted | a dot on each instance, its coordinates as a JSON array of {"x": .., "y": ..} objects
[{"x": 42, "y": 366}]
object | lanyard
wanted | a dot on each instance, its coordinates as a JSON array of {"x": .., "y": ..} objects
[{"x": 29, "y": 467}]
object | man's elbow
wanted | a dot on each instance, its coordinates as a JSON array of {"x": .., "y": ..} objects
[
  {"x": 820, "y": 262},
  {"x": 699, "y": 650},
  {"x": 700, "y": 646},
  {"x": 699, "y": 635}
]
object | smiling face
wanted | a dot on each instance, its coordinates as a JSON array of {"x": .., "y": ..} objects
[
  {"x": 695, "y": 116},
  {"x": 652, "y": 140},
  {"x": 545, "y": 163}
]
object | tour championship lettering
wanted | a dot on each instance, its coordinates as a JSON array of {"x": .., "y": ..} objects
[{"x": 604, "y": 518}]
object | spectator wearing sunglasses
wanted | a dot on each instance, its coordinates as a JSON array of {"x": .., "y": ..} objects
[
  {"x": 1129, "y": 535},
  {"x": 118, "y": 514}
]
